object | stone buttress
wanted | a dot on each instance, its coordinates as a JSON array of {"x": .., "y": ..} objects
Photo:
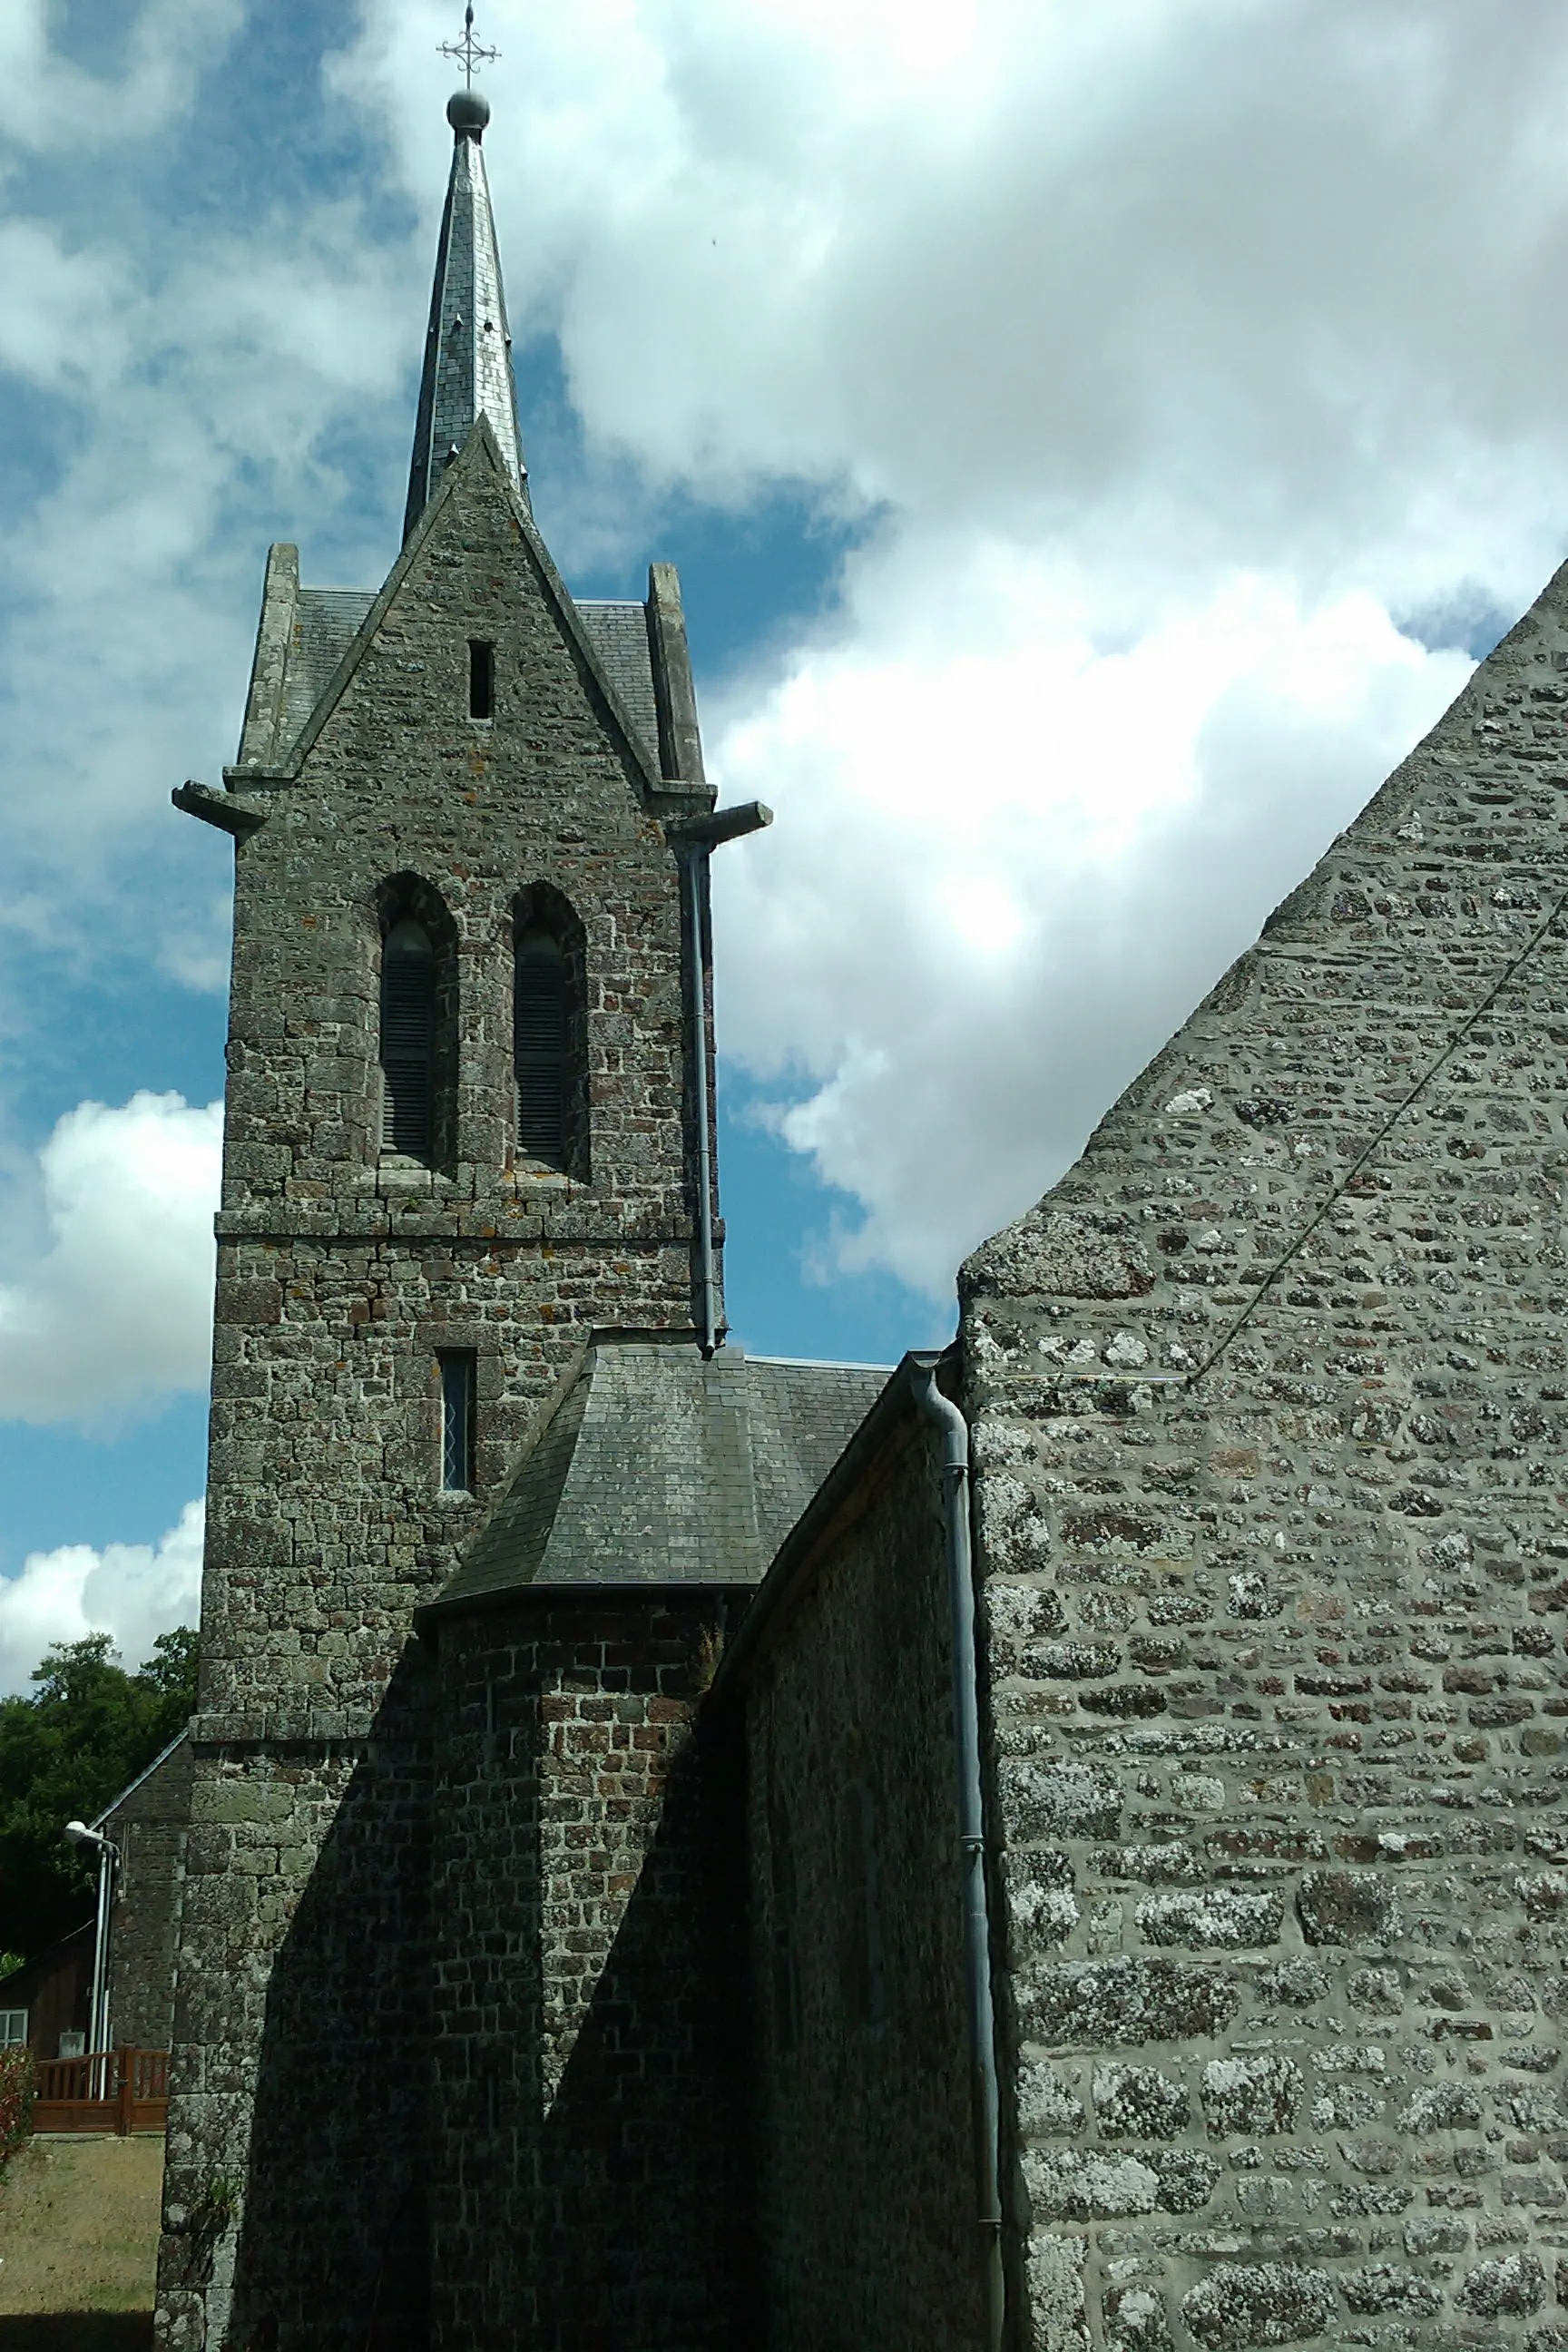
[
  {"x": 426, "y": 1210},
  {"x": 1268, "y": 1399}
]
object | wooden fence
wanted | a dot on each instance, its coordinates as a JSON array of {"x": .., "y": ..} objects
[{"x": 118, "y": 2091}]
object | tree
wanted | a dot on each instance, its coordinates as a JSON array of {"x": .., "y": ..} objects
[{"x": 90, "y": 1728}]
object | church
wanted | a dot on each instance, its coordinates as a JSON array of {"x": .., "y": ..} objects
[{"x": 1054, "y": 1846}]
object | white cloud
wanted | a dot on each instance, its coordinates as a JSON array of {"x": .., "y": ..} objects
[
  {"x": 112, "y": 1306},
  {"x": 1011, "y": 850},
  {"x": 166, "y": 44},
  {"x": 132, "y": 1591}
]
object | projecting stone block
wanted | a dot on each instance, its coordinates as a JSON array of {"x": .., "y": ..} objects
[
  {"x": 1054, "y": 1252},
  {"x": 1244, "y": 2304}
]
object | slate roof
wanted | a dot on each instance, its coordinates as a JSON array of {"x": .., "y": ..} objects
[
  {"x": 619, "y": 634},
  {"x": 468, "y": 348},
  {"x": 656, "y": 1467},
  {"x": 326, "y": 621}
]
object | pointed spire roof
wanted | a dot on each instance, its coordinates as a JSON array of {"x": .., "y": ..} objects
[{"x": 467, "y": 351}]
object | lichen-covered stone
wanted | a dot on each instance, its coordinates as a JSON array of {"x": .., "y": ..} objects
[
  {"x": 1233, "y": 1918},
  {"x": 1296, "y": 1984},
  {"x": 1513, "y": 2286},
  {"x": 1344, "y": 1906},
  {"x": 1241, "y": 2305},
  {"x": 1378, "y": 1991},
  {"x": 1054, "y": 2266},
  {"x": 1136, "y": 2320},
  {"x": 1140, "y": 2103},
  {"x": 1121, "y": 2003},
  {"x": 1043, "y": 1905},
  {"x": 1055, "y": 1801},
  {"x": 1081, "y": 2185},
  {"x": 1384, "y": 2286},
  {"x": 1441, "y": 2106},
  {"x": 1045, "y": 2105},
  {"x": 1187, "y": 2177},
  {"x": 1262, "y": 2094}
]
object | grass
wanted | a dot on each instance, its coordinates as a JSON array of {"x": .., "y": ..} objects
[{"x": 79, "y": 2243}]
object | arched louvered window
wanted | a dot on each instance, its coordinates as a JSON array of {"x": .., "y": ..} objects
[
  {"x": 408, "y": 1041},
  {"x": 542, "y": 1048}
]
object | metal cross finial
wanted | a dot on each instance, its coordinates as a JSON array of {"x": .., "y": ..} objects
[{"x": 467, "y": 49}]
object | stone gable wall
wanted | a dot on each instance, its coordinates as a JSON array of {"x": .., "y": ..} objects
[
  {"x": 1268, "y": 1401},
  {"x": 866, "y": 2199}
]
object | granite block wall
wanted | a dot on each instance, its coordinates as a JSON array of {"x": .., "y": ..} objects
[
  {"x": 866, "y": 2177},
  {"x": 588, "y": 2168},
  {"x": 1269, "y": 1402}
]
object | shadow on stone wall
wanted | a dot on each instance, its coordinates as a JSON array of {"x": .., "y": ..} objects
[
  {"x": 647, "y": 2143},
  {"x": 333, "y": 2251},
  {"x": 619, "y": 2212}
]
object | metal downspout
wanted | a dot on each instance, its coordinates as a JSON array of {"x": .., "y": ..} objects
[
  {"x": 946, "y": 1415},
  {"x": 694, "y": 840},
  {"x": 695, "y": 864}
]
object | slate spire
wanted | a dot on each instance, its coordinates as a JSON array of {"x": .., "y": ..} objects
[{"x": 467, "y": 351}]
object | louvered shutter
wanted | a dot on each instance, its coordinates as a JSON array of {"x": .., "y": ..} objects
[
  {"x": 540, "y": 1048},
  {"x": 407, "y": 1040}
]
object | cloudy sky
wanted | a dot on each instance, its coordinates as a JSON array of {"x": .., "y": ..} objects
[{"x": 1095, "y": 442}]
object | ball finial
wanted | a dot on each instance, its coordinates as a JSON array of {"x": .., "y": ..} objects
[{"x": 467, "y": 111}]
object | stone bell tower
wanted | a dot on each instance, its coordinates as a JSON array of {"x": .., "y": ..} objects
[{"x": 468, "y": 1123}]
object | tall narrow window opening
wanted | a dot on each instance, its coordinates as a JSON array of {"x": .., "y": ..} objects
[
  {"x": 407, "y": 1040},
  {"x": 541, "y": 1047},
  {"x": 482, "y": 679},
  {"x": 456, "y": 1367}
]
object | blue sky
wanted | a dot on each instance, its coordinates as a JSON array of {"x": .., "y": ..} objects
[{"x": 1094, "y": 448}]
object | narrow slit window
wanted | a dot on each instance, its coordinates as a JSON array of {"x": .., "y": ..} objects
[
  {"x": 542, "y": 1048},
  {"x": 481, "y": 678},
  {"x": 407, "y": 1040},
  {"x": 457, "y": 1366}
]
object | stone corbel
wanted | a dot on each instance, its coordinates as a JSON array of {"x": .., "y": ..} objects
[{"x": 222, "y": 809}]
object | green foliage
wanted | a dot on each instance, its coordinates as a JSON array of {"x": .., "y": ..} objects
[
  {"x": 9, "y": 1964},
  {"x": 15, "y": 2101},
  {"x": 88, "y": 1729}
]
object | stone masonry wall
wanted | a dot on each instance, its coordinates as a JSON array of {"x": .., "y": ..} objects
[
  {"x": 869, "y": 2239},
  {"x": 339, "y": 1276},
  {"x": 1268, "y": 1401},
  {"x": 587, "y": 2171}
]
